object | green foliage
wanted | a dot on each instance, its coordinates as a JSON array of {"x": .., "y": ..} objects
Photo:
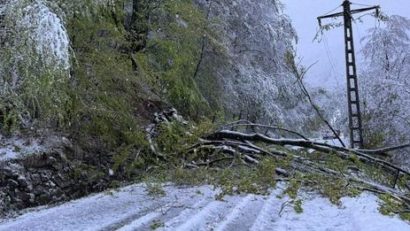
[
  {"x": 237, "y": 180},
  {"x": 259, "y": 179},
  {"x": 169, "y": 62},
  {"x": 403, "y": 181},
  {"x": 102, "y": 86},
  {"x": 374, "y": 139},
  {"x": 156, "y": 224},
  {"x": 330, "y": 187},
  {"x": 35, "y": 89},
  {"x": 266, "y": 172},
  {"x": 240, "y": 180},
  {"x": 89, "y": 172},
  {"x": 183, "y": 176},
  {"x": 108, "y": 87},
  {"x": 114, "y": 185},
  {"x": 293, "y": 188},
  {"x": 333, "y": 189},
  {"x": 155, "y": 189},
  {"x": 175, "y": 137},
  {"x": 297, "y": 206},
  {"x": 121, "y": 157},
  {"x": 101, "y": 102},
  {"x": 391, "y": 206},
  {"x": 42, "y": 98},
  {"x": 47, "y": 98},
  {"x": 371, "y": 171},
  {"x": 11, "y": 111},
  {"x": 106, "y": 91}
]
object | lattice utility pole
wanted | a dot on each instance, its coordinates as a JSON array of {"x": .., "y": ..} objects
[{"x": 355, "y": 120}]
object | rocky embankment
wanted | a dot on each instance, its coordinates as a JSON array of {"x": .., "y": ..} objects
[
  {"x": 61, "y": 171},
  {"x": 45, "y": 178}
]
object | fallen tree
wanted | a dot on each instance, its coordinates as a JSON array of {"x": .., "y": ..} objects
[
  {"x": 323, "y": 147},
  {"x": 251, "y": 147},
  {"x": 312, "y": 163}
]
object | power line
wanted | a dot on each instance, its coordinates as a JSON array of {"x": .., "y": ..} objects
[
  {"x": 360, "y": 37},
  {"x": 329, "y": 56},
  {"x": 360, "y": 4},
  {"x": 334, "y": 9}
]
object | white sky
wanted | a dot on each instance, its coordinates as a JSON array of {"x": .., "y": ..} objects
[{"x": 330, "y": 69}]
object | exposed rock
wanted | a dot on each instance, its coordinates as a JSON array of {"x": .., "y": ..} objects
[
  {"x": 23, "y": 196},
  {"x": 35, "y": 177},
  {"x": 22, "y": 181},
  {"x": 29, "y": 183},
  {"x": 12, "y": 183}
]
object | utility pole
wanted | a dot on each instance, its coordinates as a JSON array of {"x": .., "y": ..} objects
[{"x": 355, "y": 119}]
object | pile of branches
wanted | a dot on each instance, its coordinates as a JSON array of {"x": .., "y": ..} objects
[{"x": 251, "y": 143}]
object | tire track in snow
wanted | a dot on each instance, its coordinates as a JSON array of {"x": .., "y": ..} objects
[
  {"x": 235, "y": 213},
  {"x": 207, "y": 217},
  {"x": 149, "y": 205},
  {"x": 178, "y": 219},
  {"x": 269, "y": 212},
  {"x": 186, "y": 209},
  {"x": 88, "y": 213},
  {"x": 145, "y": 220},
  {"x": 187, "y": 202},
  {"x": 243, "y": 215},
  {"x": 129, "y": 217},
  {"x": 172, "y": 202}
]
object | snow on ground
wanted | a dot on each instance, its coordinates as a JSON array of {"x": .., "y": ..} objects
[
  {"x": 19, "y": 146},
  {"x": 14, "y": 148},
  {"x": 334, "y": 142},
  {"x": 195, "y": 208}
]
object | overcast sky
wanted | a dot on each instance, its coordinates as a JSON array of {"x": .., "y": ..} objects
[{"x": 330, "y": 69}]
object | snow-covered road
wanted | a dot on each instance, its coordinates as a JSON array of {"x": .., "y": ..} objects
[{"x": 195, "y": 208}]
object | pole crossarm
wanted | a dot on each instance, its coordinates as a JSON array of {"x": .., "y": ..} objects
[
  {"x": 377, "y": 8},
  {"x": 341, "y": 14},
  {"x": 330, "y": 15}
]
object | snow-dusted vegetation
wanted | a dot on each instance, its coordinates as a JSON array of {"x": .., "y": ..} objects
[
  {"x": 385, "y": 81},
  {"x": 208, "y": 95}
]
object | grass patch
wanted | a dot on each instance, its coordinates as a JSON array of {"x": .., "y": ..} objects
[
  {"x": 155, "y": 189},
  {"x": 391, "y": 206}
]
